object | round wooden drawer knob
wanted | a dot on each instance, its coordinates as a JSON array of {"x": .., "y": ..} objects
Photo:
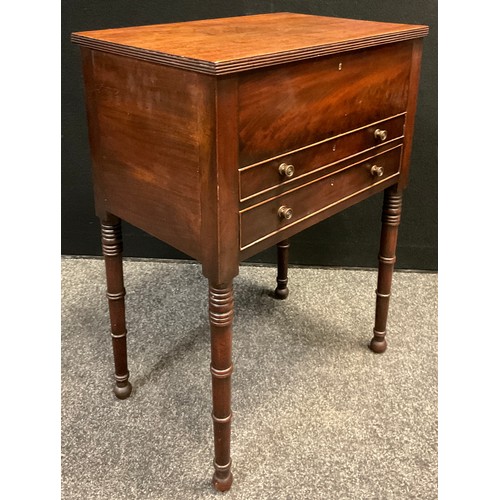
[
  {"x": 285, "y": 212},
  {"x": 377, "y": 171},
  {"x": 380, "y": 134},
  {"x": 286, "y": 170}
]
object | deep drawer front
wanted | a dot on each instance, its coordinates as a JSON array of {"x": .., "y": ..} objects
[
  {"x": 264, "y": 219},
  {"x": 266, "y": 176},
  {"x": 302, "y": 103}
]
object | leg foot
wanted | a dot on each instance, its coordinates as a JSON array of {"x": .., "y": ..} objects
[
  {"x": 391, "y": 216},
  {"x": 378, "y": 345},
  {"x": 123, "y": 392},
  {"x": 281, "y": 291},
  {"x": 222, "y": 479}
]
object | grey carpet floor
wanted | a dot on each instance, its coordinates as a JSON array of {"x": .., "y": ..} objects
[{"x": 317, "y": 415}]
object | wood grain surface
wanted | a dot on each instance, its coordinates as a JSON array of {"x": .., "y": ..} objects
[
  {"x": 146, "y": 130},
  {"x": 227, "y": 45},
  {"x": 290, "y": 106}
]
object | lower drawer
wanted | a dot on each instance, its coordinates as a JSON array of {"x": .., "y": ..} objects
[{"x": 271, "y": 216}]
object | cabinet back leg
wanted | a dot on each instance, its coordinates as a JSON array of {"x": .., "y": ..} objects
[
  {"x": 281, "y": 291},
  {"x": 111, "y": 237}
]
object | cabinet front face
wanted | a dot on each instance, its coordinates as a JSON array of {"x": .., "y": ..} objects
[{"x": 318, "y": 136}]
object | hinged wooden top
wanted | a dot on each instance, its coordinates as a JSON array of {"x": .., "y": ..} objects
[{"x": 228, "y": 45}]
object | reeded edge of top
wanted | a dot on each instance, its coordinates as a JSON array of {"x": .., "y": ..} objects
[{"x": 248, "y": 63}]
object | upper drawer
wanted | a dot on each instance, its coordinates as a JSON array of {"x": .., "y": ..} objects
[
  {"x": 306, "y": 102},
  {"x": 286, "y": 170}
]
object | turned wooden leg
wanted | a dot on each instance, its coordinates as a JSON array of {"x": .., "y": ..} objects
[
  {"x": 281, "y": 291},
  {"x": 112, "y": 251},
  {"x": 391, "y": 216},
  {"x": 221, "y": 312}
]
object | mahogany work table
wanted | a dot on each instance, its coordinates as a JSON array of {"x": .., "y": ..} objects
[{"x": 223, "y": 137}]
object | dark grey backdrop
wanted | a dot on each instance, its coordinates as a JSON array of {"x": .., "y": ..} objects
[{"x": 347, "y": 239}]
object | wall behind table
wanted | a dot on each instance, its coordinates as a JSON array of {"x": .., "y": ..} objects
[{"x": 347, "y": 239}]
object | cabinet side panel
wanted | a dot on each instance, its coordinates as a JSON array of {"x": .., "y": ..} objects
[
  {"x": 416, "y": 59},
  {"x": 145, "y": 135}
]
